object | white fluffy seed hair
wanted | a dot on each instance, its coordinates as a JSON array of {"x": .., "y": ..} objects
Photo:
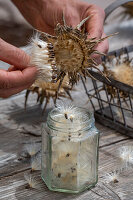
[
  {"x": 68, "y": 109},
  {"x": 32, "y": 183},
  {"x": 126, "y": 155},
  {"x": 111, "y": 177},
  {"x": 36, "y": 163},
  {"x": 32, "y": 148},
  {"x": 40, "y": 58}
]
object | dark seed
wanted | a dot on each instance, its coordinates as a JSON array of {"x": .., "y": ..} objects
[
  {"x": 50, "y": 47},
  {"x": 20, "y": 158},
  {"x": 39, "y": 46},
  {"x": 66, "y": 116},
  {"x": 51, "y": 51},
  {"x": 59, "y": 175},
  {"x": 54, "y": 77},
  {"x": 68, "y": 154},
  {"x": 73, "y": 169},
  {"x": 116, "y": 181},
  {"x": 27, "y": 186}
]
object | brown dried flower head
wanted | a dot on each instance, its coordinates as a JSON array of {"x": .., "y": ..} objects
[
  {"x": 121, "y": 71},
  {"x": 69, "y": 52},
  {"x": 47, "y": 90},
  {"x": 129, "y": 9}
]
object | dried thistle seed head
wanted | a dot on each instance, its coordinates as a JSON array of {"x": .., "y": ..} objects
[
  {"x": 69, "y": 52},
  {"x": 123, "y": 73},
  {"x": 121, "y": 70},
  {"x": 129, "y": 9},
  {"x": 47, "y": 90}
]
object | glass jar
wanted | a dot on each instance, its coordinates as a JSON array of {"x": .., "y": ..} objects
[{"x": 70, "y": 150}]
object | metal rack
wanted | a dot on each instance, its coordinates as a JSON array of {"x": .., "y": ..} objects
[{"x": 109, "y": 112}]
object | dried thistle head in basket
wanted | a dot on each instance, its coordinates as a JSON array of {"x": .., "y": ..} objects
[
  {"x": 47, "y": 90},
  {"x": 129, "y": 8},
  {"x": 122, "y": 71},
  {"x": 68, "y": 52}
]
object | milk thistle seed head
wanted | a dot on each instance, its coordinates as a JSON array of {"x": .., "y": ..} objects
[
  {"x": 121, "y": 70},
  {"x": 68, "y": 55},
  {"x": 68, "y": 52}
]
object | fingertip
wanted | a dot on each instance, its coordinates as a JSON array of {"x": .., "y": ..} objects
[
  {"x": 103, "y": 47},
  {"x": 13, "y": 55},
  {"x": 94, "y": 26},
  {"x": 30, "y": 73},
  {"x": 6, "y": 93}
]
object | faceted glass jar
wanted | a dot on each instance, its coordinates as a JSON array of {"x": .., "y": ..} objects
[{"x": 70, "y": 151}]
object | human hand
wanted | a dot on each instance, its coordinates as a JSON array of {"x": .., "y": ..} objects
[
  {"x": 45, "y": 14},
  {"x": 19, "y": 76}
]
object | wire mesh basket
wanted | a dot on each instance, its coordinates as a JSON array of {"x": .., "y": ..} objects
[{"x": 114, "y": 112}]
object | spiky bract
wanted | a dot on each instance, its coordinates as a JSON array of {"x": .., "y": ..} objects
[{"x": 47, "y": 90}]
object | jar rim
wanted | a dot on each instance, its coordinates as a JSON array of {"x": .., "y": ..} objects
[{"x": 87, "y": 123}]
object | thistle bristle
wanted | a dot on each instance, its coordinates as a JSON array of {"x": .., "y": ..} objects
[{"x": 47, "y": 90}]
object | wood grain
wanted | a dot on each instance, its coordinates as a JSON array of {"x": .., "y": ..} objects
[
  {"x": 19, "y": 127},
  {"x": 15, "y": 186}
]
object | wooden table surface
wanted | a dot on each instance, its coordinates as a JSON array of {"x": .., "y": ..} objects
[{"x": 19, "y": 127}]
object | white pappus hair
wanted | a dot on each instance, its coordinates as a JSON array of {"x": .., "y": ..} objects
[{"x": 40, "y": 58}]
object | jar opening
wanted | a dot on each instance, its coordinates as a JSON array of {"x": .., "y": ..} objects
[{"x": 70, "y": 119}]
